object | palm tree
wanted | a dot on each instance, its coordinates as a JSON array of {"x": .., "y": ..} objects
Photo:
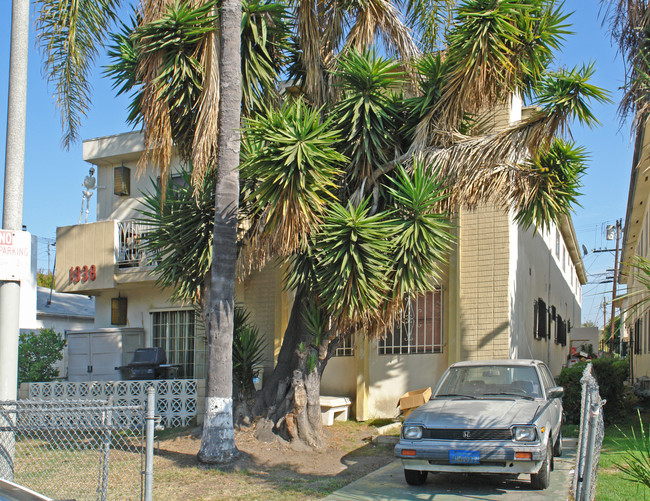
[{"x": 200, "y": 114}]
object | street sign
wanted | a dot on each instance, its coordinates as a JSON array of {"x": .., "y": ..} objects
[{"x": 15, "y": 255}]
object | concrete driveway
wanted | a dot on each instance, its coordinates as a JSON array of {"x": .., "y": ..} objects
[{"x": 388, "y": 484}]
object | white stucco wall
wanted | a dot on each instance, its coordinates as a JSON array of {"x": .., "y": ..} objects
[
  {"x": 533, "y": 260},
  {"x": 393, "y": 375}
]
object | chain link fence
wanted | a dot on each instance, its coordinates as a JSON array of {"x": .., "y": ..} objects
[
  {"x": 590, "y": 441},
  {"x": 76, "y": 449}
]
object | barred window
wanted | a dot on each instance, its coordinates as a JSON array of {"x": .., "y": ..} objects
[
  {"x": 176, "y": 333},
  {"x": 420, "y": 328},
  {"x": 345, "y": 348}
]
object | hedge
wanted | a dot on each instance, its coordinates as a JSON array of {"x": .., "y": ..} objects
[{"x": 611, "y": 375}]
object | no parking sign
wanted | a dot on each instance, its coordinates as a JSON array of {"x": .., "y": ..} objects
[{"x": 15, "y": 255}]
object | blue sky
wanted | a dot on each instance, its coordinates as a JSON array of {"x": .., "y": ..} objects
[{"x": 53, "y": 176}]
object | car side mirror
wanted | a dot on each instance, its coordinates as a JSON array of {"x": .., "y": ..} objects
[{"x": 555, "y": 392}]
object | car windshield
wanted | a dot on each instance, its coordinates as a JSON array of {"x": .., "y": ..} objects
[{"x": 489, "y": 381}]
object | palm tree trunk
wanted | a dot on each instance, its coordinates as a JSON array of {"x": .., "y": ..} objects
[{"x": 218, "y": 439}]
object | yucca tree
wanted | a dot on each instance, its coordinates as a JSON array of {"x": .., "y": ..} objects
[{"x": 354, "y": 252}]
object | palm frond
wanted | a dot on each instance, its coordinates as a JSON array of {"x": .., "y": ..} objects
[
  {"x": 422, "y": 236},
  {"x": 295, "y": 169},
  {"x": 430, "y": 18},
  {"x": 265, "y": 35},
  {"x": 496, "y": 48},
  {"x": 629, "y": 23},
  {"x": 352, "y": 255},
  {"x": 365, "y": 114},
  {"x": 380, "y": 19},
  {"x": 70, "y": 34},
  {"x": 180, "y": 234},
  {"x": 565, "y": 95},
  {"x": 554, "y": 190}
]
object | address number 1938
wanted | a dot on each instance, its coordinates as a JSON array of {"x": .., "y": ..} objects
[{"x": 82, "y": 274}]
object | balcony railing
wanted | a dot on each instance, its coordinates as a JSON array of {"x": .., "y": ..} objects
[{"x": 130, "y": 251}]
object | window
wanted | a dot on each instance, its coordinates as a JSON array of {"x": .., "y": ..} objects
[
  {"x": 345, "y": 348},
  {"x": 176, "y": 332},
  {"x": 560, "y": 331},
  {"x": 635, "y": 337},
  {"x": 557, "y": 244},
  {"x": 420, "y": 328},
  {"x": 540, "y": 326},
  {"x": 647, "y": 332},
  {"x": 642, "y": 347}
]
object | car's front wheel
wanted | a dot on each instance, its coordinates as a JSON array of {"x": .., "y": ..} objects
[
  {"x": 415, "y": 477},
  {"x": 542, "y": 479}
]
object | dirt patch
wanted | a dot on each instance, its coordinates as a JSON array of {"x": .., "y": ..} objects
[{"x": 267, "y": 471}]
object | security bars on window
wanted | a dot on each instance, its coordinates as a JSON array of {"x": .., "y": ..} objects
[
  {"x": 420, "y": 327},
  {"x": 345, "y": 349},
  {"x": 176, "y": 333}
]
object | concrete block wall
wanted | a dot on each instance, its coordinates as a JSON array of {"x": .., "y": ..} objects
[{"x": 484, "y": 267}]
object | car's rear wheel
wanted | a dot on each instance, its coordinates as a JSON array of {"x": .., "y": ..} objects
[
  {"x": 557, "y": 448},
  {"x": 415, "y": 477},
  {"x": 542, "y": 479}
]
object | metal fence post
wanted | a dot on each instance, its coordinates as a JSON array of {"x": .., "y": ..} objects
[
  {"x": 7, "y": 442},
  {"x": 589, "y": 451},
  {"x": 584, "y": 432},
  {"x": 148, "y": 458},
  {"x": 107, "y": 448}
]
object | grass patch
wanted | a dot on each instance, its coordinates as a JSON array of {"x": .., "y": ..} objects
[
  {"x": 612, "y": 484},
  {"x": 378, "y": 423}
]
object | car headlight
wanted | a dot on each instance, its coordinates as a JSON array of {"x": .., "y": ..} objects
[
  {"x": 412, "y": 432},
  {"x": 524, "y": 433}
]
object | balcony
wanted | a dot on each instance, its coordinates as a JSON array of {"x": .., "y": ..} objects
[
  {"x": 101, "y": 256},
  {"x": 130, "y": 251}
]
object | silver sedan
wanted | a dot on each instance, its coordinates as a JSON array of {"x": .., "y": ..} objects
[{"x": 497, "y": 416}]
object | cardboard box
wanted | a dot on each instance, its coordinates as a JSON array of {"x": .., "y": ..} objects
[{"x": 413, "y": 399}]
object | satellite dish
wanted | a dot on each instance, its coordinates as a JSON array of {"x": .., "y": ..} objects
[{"x": 584, "y": 250}]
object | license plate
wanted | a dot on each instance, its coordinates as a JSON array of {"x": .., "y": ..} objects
[{"x": 463, "y": 457}]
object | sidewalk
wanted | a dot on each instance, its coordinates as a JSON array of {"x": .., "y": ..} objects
[{"x": 388, "y": 484}]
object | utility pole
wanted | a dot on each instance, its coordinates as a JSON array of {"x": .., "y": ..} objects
[
  {"x": 618, "y": 237},
  {"x": 12, "y": 213},
  {"x": 604, "y": 316}
]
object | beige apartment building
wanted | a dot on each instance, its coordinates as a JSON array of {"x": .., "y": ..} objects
[
  {"x": 506, "y": 293},
  {"x": 636, "y": 240}
]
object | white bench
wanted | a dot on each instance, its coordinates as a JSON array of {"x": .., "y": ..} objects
[{"x": 332, "y": 408}]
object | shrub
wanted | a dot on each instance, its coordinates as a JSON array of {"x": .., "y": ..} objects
[
  {"x": 247, "y": 352},
  {"x": 611, "y": 375},
  {"x": 37, "y": 353}
]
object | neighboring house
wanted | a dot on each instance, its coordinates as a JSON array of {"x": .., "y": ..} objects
[
  {"x": 42, "y": 308},
  {"x": 636, "y": 319},
  {"x": 506, "y": 293},
  {"x": 63, "y": 312}
]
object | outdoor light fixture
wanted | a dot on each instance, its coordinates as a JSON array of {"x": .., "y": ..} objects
[
  {"x": 118, "y": 311},
  {"x": 122, "y": 178}
]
